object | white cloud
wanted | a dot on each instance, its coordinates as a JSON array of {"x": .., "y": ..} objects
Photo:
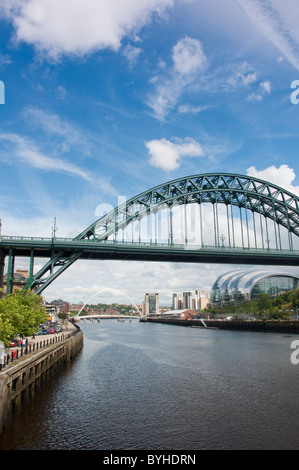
[
  {"x": 27, "y": 152},
  {"x": 132, "y": 53},
  {"x": 270, "y": 22},
  {"x": 52, "y": 124},
  {"x": 61, "y": 93},
  {"x": 265, "y": 86},
  {"x": 189, "y": 72},
  {"x": 72, "y": 27},
  {"x": 4, "y": 60},
  {"x": 167, "y": 155},
  {"x": 134, "y": 278},
  {"x": 240, "y": 75},
  {"x": 255, "y": 97},
  {"x": 189, "y": 60},
  {"x": 283, "y": 176},
  {"x": 188, "y": 57},
  {"x": 188, "y": 108}
]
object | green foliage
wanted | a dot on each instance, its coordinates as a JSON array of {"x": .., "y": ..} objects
[
  {"x": 63, "y": 315},
  {"x": 265, "y": 302},
  {"x": 265, "y": 306},
  {"x": 121, "y": 308},
  {"x": 276, "y": 314},
  {"x": 294, "y": 298},
  {"x": 20, "y": 313}
]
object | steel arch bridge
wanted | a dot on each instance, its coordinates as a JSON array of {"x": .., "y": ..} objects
[{"x": 210, "y": 218}]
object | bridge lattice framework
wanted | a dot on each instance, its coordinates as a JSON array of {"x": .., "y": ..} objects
[{"x": 239, "y": 219}]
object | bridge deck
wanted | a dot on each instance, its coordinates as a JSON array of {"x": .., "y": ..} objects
[{"x": 89, "y": 249}]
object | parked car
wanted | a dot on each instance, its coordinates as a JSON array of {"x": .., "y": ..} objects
[
  {"x": 38, "y": 333},
  {"x": 15, "y": 341}
]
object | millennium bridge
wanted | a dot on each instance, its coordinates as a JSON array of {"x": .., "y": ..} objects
[{"x": 205, "y": 218}]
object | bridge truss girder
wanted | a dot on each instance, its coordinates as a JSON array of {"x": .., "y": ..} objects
[
  {"x": 252, "y": 194},
  {"x": 244, "y": 192}
]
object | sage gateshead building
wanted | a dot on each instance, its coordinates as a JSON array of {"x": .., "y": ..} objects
[{"x": 242, "y": 286}]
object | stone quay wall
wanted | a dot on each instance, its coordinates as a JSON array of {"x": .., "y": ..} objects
[
  {"x": 22, "y": 379},
  {"x": 270, "y": 326}
]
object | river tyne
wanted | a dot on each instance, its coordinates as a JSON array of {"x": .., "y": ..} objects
[{"x": 143, "y": 386}]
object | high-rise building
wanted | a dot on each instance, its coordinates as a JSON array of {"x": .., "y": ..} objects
[
  {"x": 203, "y": 300},
  {"x": 151, "y": 304},
  {"x": 194, "y": 300},
  {"x": 187, "y": 300},
  {"x": 175, "y": 301}
]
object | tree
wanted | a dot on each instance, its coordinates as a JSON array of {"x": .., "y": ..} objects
[
  {"x": 64, "y": 315},
  {"x": 264, "y": 302},
  {"x": 276, "y": 314},
  {"x": 294, "y": 298},
  {"x": 20, "y": 313}
]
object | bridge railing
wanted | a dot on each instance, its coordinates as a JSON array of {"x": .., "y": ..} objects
[
  {"x": 33, "y": 239},
  {"x": 169, "y": 244}
]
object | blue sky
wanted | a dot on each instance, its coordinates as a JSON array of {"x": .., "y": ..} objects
[{"x": 107, "y": 99}]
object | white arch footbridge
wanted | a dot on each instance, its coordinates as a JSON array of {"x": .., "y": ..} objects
[{"x": 79, "y": 317}]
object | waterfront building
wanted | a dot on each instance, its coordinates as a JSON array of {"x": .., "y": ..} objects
[
  {"x": 188, "y": 298},
  {"x": 242, "y": 285},
  {"x": 52, "y": 311},
  {"x": 185, "y": 314},
  {"x": 203, "y": 301},
  {"x": 151, "y": 304},
  {"x": 76, "y": 307},
  {"x": 196, "y": 300},
  {"x": 64, "y": 307},
  {"x": 20, "y": 279},
  {"x": 175, "y": 301}
]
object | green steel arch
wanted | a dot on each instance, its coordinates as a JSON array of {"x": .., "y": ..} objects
[{"x": 246, "y": 192}]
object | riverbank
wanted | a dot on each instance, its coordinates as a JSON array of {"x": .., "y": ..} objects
[
  {"x": 21, "y": 378},
  {"x": 270, "y": 326},
  {"x": 33, "y": 343}
]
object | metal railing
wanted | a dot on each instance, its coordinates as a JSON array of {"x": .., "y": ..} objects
[
  {"x": 149, "y": 244},
  {"x": 21, "y": 351}
]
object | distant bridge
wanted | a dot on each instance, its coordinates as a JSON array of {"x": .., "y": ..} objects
[
  {"x": 205, "y": 218},
  {"x": 106, "y": 317}
]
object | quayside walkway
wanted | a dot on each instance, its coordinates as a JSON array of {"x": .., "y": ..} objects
[
  {"x": 26, "y": 370},
  {"x": 12, "y": 354}
]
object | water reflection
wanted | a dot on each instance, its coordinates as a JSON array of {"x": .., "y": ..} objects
[{"x": 145, "y": 386}]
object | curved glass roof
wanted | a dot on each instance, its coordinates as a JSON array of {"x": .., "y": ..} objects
[{"x": 239, "y": 283}]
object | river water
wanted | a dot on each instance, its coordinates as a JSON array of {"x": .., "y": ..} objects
[{"x": 153, "y": 386}]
